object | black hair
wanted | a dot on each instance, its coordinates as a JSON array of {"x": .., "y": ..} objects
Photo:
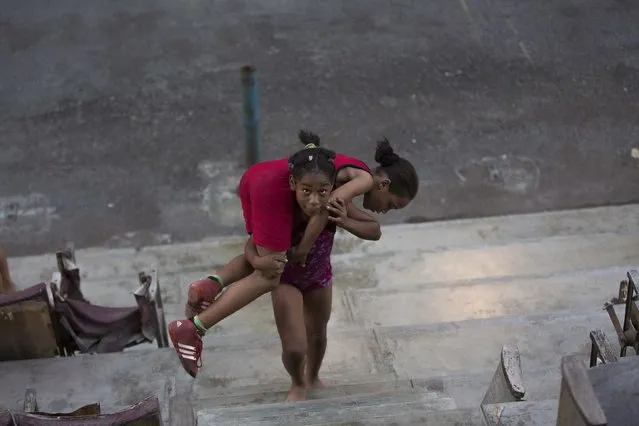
[
  {"x": 312, "y": 159},
  {"x": 404, "y": 181}
]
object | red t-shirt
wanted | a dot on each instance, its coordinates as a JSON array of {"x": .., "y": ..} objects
[
  {"x": 343, "y": 161},
  {"x": 268, "y": 204}
]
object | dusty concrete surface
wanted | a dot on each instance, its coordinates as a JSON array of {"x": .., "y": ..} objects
[
  {"x": 113, "y": 380},
  {"x": 428, "y": 303},
  {"x": 536, "y": 413},
  {"x": 121, "y": 120},
  {"x": 437, "y": 272}
]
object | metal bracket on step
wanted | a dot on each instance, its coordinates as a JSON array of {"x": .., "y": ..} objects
[
  {"x": 628, "y": 334},
  {"x": 30, "y": 401},
  {"x": 622, "y": 297},
  {"x": 601, "y": 351}
]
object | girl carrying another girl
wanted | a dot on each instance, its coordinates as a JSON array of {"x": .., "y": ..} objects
[
  {"x": 270, "y": 209},
  {"x": 302, "y": 301}
]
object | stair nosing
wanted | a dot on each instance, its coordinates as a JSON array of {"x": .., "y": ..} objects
[
  {"x": 337, "y": 258},
  {"x": 621, "y": 269},
  {"x": 330, "y": 381},
  {"x": 409, "y": 397},
  {"x": 224, "y": 341}
]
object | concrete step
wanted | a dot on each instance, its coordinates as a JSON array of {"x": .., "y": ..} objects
[
  {"x": 467, "y": 390},
  {"x": 472, "y": 346},
  {"x": 506, "y": 229},
  {"x": 466, "y": 300},
  {"x": 522, "y": 259},
  {"x": 374, "y": 302},
  {"x": 412, "y": 351},
  {"x": 529, "y": 260},
  {"x": 64, "y": 384},
  {"x": 568, "y": 327},
  {"x": 237, "y": 361},
  {"x": 327, "y": 411},
  {"x": 458, "y": 417},
  {"x": 102, "y": 264},
  {"x": 467, "y": 347},
  {"x": 426, "y": 303},
  {"x": 457, "y": 349},
  {"x": 529, "y": 413},
  {"x": 335, "y": 386},
  {"x": 126, "y": 377}
]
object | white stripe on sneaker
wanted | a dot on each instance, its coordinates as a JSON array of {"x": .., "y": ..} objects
[
  {"x": 186, "y": 351},
  {"x": 186, "y": 347}
]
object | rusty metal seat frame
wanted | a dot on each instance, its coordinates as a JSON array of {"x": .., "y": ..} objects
[{"x": 628, "y": 333}]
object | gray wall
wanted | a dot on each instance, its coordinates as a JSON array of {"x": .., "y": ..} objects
[{"x": 121, "y": 120}]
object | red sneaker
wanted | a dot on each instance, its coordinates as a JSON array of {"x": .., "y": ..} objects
[
  {"x": 201, "y": 294},
  {"x": 188, "y": 345}
]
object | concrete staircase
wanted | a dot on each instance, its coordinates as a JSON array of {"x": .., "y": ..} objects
[{"x": 419, "y": 321}]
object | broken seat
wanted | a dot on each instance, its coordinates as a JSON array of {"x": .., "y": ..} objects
[{"x": 56, "y": 319}]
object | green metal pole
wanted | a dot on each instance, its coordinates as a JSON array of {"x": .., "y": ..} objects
[{"x": 251, "y": 108}]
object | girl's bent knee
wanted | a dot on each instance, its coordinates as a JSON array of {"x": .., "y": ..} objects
[
  {"x": 272, "y": 283},
  {"x": 270, "y": 280}
]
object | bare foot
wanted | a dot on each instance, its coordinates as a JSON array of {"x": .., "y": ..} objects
[
  {"x": 296, "y": 393},
  {"x": 315, "y": 383}
]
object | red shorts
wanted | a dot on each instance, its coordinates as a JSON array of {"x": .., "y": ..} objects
[{"x": 268, "y": 203}]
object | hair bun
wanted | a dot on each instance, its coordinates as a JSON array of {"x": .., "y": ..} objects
[
  {"x": 309, "y": 138},
  {"x": 384, "y": 154}
]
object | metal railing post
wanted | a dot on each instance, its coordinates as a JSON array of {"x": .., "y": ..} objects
[{"x": 251, "y": 108}]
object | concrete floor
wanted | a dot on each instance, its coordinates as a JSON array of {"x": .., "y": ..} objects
[
  {"x": 121, "y": 120},
  {"x": 438, "y": 314}
]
